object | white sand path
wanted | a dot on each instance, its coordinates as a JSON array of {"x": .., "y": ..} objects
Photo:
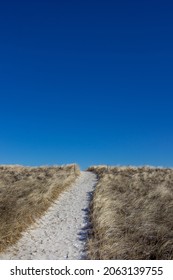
[{"x": 55, "y": 235}]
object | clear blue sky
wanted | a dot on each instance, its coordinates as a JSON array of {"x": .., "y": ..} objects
[{"x": 86, "y": 81}]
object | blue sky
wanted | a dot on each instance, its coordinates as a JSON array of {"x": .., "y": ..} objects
[{"x": 86, "y": 81}]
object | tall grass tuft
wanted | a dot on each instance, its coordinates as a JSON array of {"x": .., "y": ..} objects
[
  {"x": 26, "y": 193},
  {"x": 132, "y": 214}
]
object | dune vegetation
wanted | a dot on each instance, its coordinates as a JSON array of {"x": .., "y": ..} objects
[
  {"x": 131, "y": 214},
  {"x": 26, "y": 193}
]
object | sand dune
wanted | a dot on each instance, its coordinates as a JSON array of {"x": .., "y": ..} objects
[{"x": 56, "y": 234}]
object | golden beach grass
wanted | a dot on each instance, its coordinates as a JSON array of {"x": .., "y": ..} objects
[
  {"x": 26, "y": 193},
  {"x": 132, "y": 214}
]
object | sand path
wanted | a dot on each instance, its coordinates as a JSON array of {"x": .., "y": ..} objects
[{"x": 56, "y": 235}]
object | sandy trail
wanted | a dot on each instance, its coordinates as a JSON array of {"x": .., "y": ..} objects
[{"x": 55, "y": 235}]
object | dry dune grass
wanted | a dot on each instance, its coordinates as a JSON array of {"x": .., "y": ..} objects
[
  {"x": 132, "y": 214},
  {"x": 26, "y": 193}
]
